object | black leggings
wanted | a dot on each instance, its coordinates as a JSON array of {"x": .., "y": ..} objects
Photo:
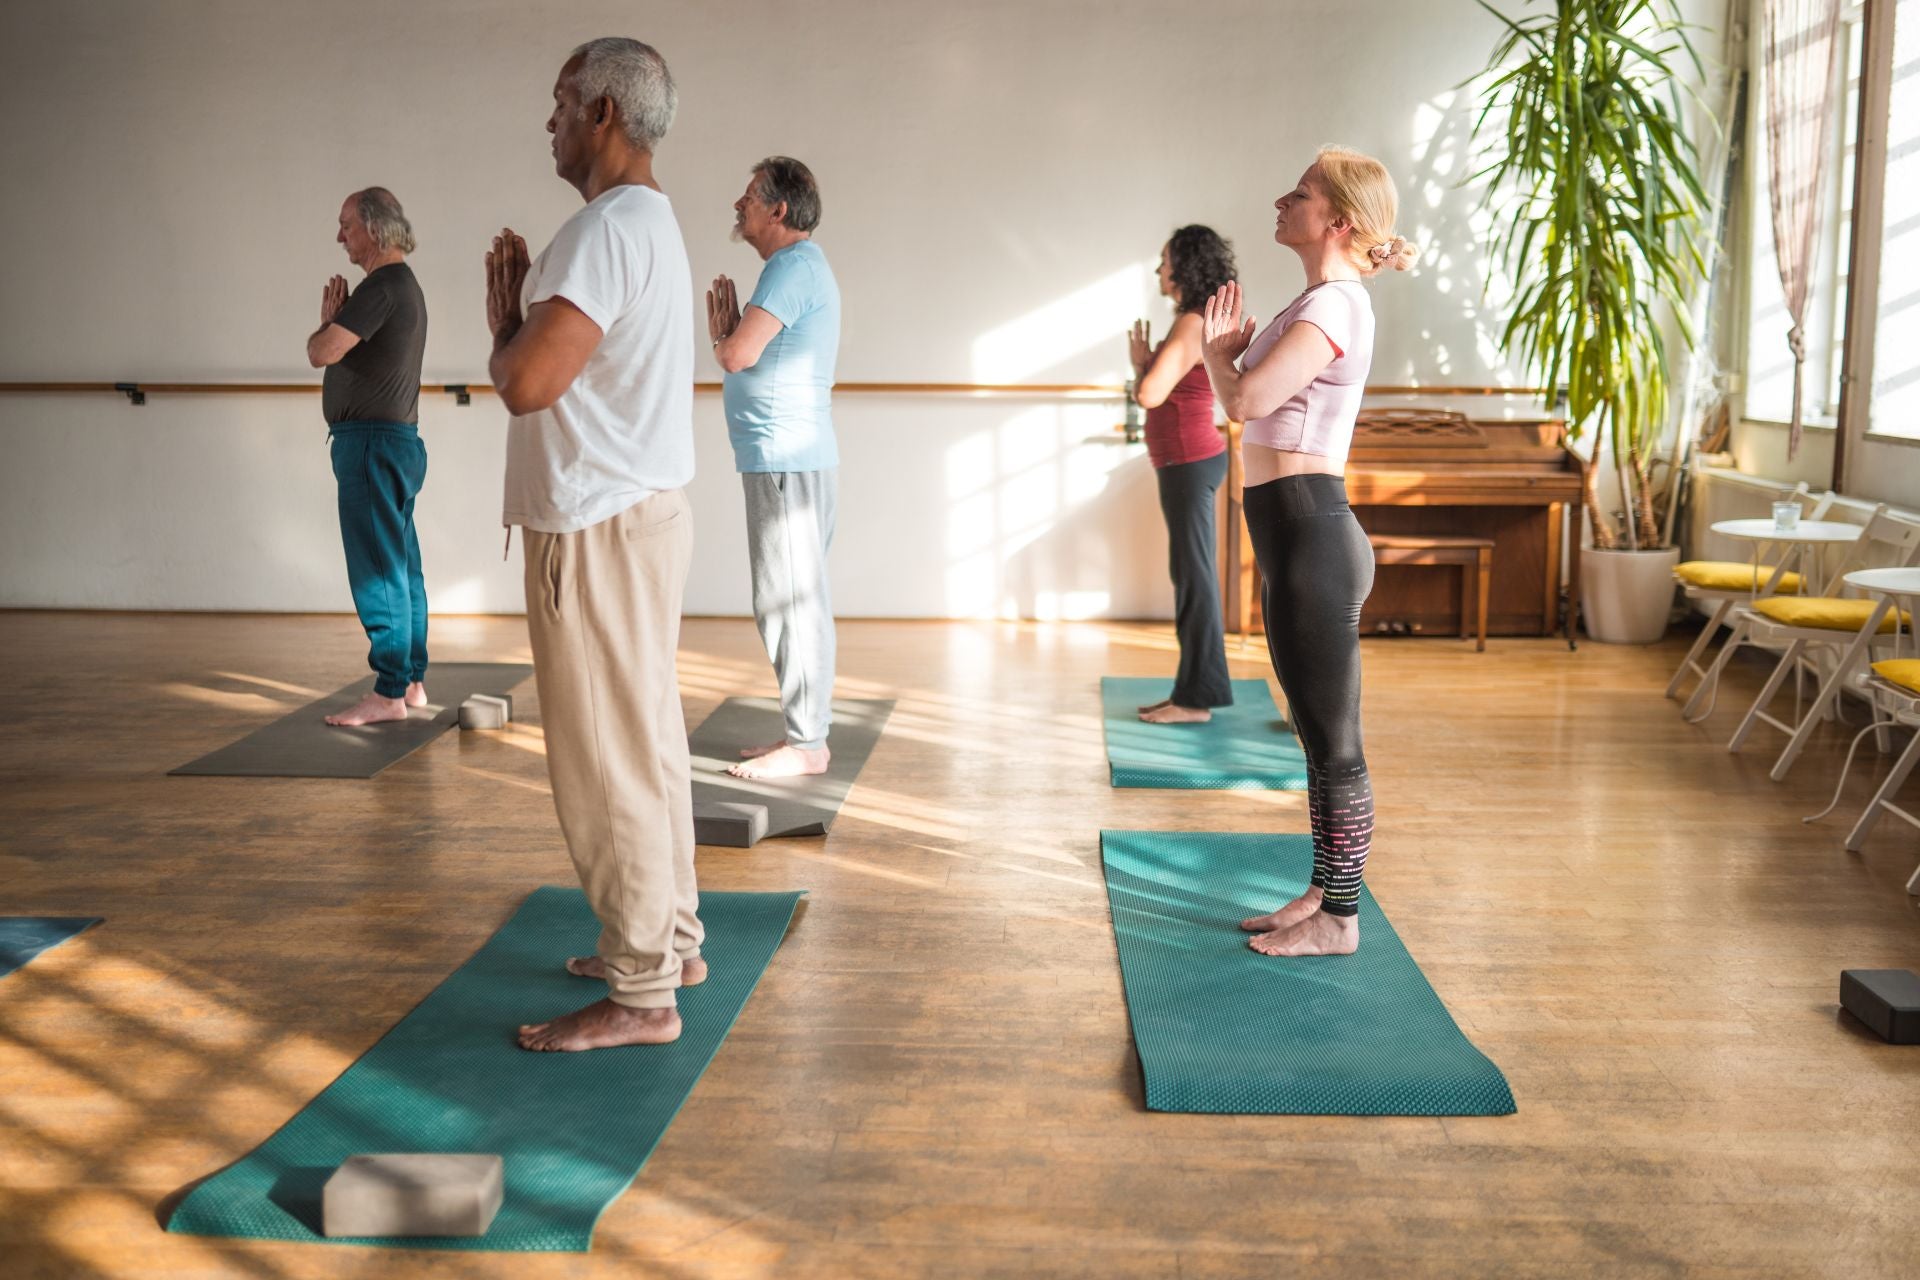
[
  {"x": 1187, "y": 500},
  {"x": 1317, "y": 568}
]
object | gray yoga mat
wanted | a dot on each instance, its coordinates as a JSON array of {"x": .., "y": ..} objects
[
  {"x": 303, "y": 745},
  {"x": 795, "y": 806}
]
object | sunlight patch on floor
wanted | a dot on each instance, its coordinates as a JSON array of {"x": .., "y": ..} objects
[
  {"x": 225, "y": 699},
  {"x": 299, "y": 690},
  {"x": 867, "y": 869}
]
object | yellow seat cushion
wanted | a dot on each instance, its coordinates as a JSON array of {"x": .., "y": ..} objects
[
  {"x": 1904, "y": 672},
  {"x": 1825, "y": 612},
  {"x": 1731, "y": 575}
]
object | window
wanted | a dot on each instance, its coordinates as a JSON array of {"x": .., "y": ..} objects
[{"x": 1769, "y": 379}]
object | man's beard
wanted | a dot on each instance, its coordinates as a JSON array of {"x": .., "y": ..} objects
[{"x": 739, "y": 233}]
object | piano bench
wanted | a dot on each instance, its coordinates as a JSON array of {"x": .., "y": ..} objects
[{"x": 1474, "y": 556}]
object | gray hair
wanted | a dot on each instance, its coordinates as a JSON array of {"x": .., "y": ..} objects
[
  {"x": 635, "y": 77},
  {"x": 381, "y": 215},
  {"x": 779, "y": 178}
]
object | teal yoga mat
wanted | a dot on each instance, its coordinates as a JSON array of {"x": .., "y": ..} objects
[
  {"x": 574, "y": 1128},
  {"x": 1223, "y": 1029},
  {"x": 24, "y": 937},
  {"x": 1245, "y": 747}
]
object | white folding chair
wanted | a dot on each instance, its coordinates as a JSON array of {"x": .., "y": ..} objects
[
  {"x": 1836, "y": 626},
  {"x": 1726, "y": 583},
  {"x": 1708, "y": 689},
  {"x": 1894, "y": 687}
]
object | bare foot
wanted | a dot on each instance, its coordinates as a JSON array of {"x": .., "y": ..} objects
[
  {"x": 754, "y": 753},
  {"x": 416, "y": 695},
  {"x": 1291, "y": 914},
  {"x": 1155, "y": 706},
  {"x": 783, "y": 761},
  {"x": 371, "y": 709},
  {"x": 1318, "y": 935},
  {"x": 692, "y": 972},
  {"x": 602, "y": 1025},
  {"x": 1168, "y": 713}
]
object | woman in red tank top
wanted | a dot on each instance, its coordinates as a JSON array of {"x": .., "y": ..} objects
[{"x": 1189, "y": 456}]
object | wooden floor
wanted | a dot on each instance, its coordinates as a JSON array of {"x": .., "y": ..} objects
[{"x": 935, "y": 1077}]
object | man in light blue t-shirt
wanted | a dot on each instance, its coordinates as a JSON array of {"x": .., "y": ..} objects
[{"x": 778, "y": 355}]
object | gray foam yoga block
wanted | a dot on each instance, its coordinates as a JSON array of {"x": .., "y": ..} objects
[
  {"x": 413, "y": 1195},
  {"x": 1887, "y": 1000},
  {"x": 486, "y": 711},
  {"x": 736, "y": 826}
]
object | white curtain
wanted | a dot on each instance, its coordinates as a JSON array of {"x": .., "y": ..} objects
[{"x": 1800, "y": 47}]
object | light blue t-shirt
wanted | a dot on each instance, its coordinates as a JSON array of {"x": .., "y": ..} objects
[{"x": 780, "y": 412}]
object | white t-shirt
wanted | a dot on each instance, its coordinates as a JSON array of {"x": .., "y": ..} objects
[{"x": 624, "y": 430}]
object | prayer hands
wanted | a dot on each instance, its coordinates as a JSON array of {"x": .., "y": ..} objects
[
  {"x": 1223, "y": 335},
  {"x": 332, "y": 298},
  {"x": 723, "y": 309},
  {"x": 1140, "y": 347},
  {"x": 507, "y": 268}
]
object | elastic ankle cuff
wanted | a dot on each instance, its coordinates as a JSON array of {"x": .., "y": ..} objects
[{"x": 645, "y": 999}]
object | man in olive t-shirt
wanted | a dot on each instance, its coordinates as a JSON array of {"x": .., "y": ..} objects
[{"x": 371, "y": 343}]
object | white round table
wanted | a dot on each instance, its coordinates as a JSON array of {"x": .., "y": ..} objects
[
  {"x": 1805, "y": 534},
  {"x": 1889, "y": 587},
  {"x": 1810, "y": 531},
  {"x": 1890, "y": 582}
]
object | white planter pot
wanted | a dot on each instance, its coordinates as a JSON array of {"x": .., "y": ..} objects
[{"x": 1626, "y": 596}]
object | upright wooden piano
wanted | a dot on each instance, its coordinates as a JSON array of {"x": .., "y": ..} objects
[{"x": 1436, "y": 471}]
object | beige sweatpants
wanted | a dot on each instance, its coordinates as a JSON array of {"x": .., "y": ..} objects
[{"x": 603, "y": 611}]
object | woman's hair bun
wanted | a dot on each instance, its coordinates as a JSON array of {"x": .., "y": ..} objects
[{"x": 1393, "y": 252}]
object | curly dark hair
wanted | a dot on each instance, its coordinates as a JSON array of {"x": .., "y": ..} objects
[{"x": 1202, "y": 261}]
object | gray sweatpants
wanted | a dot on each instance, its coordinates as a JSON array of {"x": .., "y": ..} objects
[{"x": 789, "y": 532}]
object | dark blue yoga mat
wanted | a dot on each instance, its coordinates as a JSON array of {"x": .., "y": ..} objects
[
  {"x": 1223, "y": 1029},
  {"x": 24, "y": 937},
  {"x": 1245, "y": 747},
  {"x": 574, "y": 1128}
]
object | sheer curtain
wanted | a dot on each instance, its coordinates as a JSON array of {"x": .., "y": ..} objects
[{"x": 1800, "y": 47}]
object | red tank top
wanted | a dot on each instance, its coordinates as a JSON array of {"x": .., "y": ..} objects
[{"x": 1181, "y": 428}]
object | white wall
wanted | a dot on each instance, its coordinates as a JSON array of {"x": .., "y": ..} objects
[
  {"x": 998, "y": 177},
  {"x": 1879, "y": 470}
]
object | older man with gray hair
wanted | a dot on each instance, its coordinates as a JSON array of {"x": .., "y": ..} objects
[
  {"x": 779, "y": 357},
  {"x": 593, "y": 357},
  {"x": 371, "y": 342}
]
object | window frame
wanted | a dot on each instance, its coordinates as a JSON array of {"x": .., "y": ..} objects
[{"x": 1856, "y": 434}]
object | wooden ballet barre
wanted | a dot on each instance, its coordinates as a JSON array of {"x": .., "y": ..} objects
[
  {"x": 1533, "y": 393},
  {"x": 467, "y": 389},
  {"x": 463, "y": 392}
]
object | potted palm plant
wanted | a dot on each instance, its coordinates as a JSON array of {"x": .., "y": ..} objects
[{"x": 1589, "y": 168}]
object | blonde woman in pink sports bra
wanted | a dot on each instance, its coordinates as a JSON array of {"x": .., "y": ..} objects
[{"x": 1297, "y": 386}]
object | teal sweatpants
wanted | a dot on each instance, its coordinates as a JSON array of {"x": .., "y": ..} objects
[{"x": 380, "y": 467}]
